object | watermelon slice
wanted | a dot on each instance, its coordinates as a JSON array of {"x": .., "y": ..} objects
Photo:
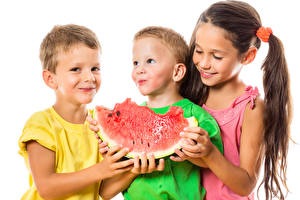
[{"x": 141, "y": 130}]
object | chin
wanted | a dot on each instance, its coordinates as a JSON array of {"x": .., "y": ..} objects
[
  {"x": 144, "y": 93},
  {"x": 207, "y": 83},
  {"x": 85, "y": 100}
]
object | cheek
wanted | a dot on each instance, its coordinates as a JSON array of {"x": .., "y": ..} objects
[
  {"x": 133, "y": 76},
  {"x": 157, "y": 82},
  {"x": 224, "y": 67},
  {"x": 67, "y": 83},
  {"x": 195, "y": 59},
  {"x": 98, "y": 82}
]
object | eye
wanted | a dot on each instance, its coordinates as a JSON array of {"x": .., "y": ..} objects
[
  {"x": 75, "y": 69},
  {"x": 151, "y": 61},
  {"x": 198, "y": 51},
  {"x": 217, "y": 57},
  {"x": 94, "y": 69},
  {"x": 135, "y": 63}
]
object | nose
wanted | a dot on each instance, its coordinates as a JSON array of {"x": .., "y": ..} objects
[
  {"x": 88, "y": 76},
  {"x": 140, "y": 69},
  {"x": 204, "y": 63}
]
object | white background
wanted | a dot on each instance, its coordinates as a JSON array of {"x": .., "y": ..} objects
[{"x": 25, "y": 23}]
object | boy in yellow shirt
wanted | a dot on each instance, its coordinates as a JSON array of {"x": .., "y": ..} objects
[{"x": 59, "y": 149}]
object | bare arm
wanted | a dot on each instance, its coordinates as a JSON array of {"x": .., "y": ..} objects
[
  {"x": 112, "y": 186},
  {"x": 52, "y": 185},
  {"x": 242, "y": 179}
]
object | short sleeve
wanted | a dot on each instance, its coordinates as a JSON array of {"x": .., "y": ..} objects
[
  {"x": 209, "y": 124},
  {"x": 38, "y": 128}
]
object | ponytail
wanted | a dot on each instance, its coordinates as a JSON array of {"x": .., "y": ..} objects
[
  {"x": 244, "y": 27},
  {"x": 277, "y": 117}
]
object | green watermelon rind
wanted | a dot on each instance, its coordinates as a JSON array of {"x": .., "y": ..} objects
[{"x": 192, "y": 121}]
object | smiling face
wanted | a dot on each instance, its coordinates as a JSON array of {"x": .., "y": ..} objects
[
  {"x": 77, "y": 76},
  {"x": 153, "y": 66},
  {"x": 214, "y": 56}
]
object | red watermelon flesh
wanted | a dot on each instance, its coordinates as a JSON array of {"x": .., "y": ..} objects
[{"x": 140, "y": 129}]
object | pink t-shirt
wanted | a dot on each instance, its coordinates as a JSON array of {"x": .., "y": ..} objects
[{"x": 230, "y": 121}]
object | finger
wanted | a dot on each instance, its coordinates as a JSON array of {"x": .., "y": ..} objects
[
  {"x": 197, "y": 137},
  {"x": 190, "y": 141},
  {"x": 89, "y": 119},
  {"x": 143, "y": 163},
  {"x": 176, "y": 158},
  {"x": 161, "y": 165},
  {"x": 151, "y": 166},
  {"x": 113, "y": 150},
  {"x": 192, "y": 148},
  {"x": 192, "y": 155},
  {"x": 122, "y": 170},
  {"x": 180, "y": 154},
  {"x": 136, "y": 165},
  {"x": 125, "y": 163},
  {"x": 118, "y": 155},
  {"x": 195, "y": 129},
  {"x": 104, "y": 150},
  {"x": 94, "y": 128},
  {"x": 102, "y": 144}
]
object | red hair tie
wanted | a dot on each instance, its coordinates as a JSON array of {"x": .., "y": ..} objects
[{"x": 264, "y": 33}]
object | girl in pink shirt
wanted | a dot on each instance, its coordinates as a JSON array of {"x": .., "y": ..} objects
[{"x": 226, "y": 38}]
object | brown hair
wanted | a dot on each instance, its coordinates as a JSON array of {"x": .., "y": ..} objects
[
  {"x": 241, "y": 21},
  {"x": 173, "y": 40},
  {"x": 61, "y": 38}
]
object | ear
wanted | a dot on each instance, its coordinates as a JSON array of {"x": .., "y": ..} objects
[
  {"x": 49, "y": 79},
  {"x": 179, "y": 72},
  {"x": 249, "y": 56}
]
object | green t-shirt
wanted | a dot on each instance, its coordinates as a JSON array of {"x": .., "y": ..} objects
[{"x": 179, "y": 180}]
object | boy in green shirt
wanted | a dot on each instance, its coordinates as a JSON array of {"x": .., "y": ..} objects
[{"x": 159, "y": 64}]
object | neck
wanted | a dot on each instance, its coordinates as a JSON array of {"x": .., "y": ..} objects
[
  {"x": 222, "y": 96},
  {"x": 162, "y": 100},
  {"x": 75, "y": 114}
]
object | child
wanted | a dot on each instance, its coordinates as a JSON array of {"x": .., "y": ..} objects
[
  {"x": 159, "y": 64},
  {"x": 60, "y": 150},
  {"x": 226, "y": 38}
]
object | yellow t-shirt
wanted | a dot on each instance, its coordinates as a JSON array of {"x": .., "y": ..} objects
[{"x": 75, "y": 147}]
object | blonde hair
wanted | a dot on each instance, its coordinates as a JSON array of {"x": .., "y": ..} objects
[
  {"x": 60, "y": 39},
  {"x": 173, "y": 40}
]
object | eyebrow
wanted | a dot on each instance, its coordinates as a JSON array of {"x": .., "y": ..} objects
[{"x": 214, "y": 50}]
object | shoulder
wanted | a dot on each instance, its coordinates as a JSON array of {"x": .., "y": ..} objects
[
  {"x": 39, "y": 128},
  {"x": 256, "y": 111},
  {"x": 41, "y": 119},
  {"x": 40, "y": 116},
  {"x": 253, "y": 122}
]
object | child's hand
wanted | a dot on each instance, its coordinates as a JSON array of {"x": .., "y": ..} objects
[
  {"x": 92, "y": 123},
  {"x": 103, "y": 148},
  {"x": 111, "y": 166},
  {"x": 195, "y": 144},
  {"x": 147, "y": 166}
]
